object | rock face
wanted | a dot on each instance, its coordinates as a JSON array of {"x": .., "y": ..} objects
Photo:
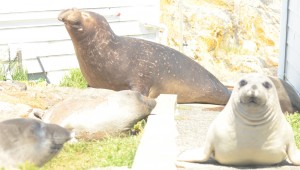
[
  {"x": 20, "y": 100},
  {"x": 98, "y": 113},
  {"x": 227, "y": 37}
]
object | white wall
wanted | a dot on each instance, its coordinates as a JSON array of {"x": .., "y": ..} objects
[
  {"x": 289, "y": 67},
  {"x": 32, "y": 27}
]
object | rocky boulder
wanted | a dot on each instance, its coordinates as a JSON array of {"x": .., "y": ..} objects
[{"x": 217, "y": 33}]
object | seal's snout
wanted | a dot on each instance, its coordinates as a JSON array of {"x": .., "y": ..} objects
[{"x": 69, "y": 15}]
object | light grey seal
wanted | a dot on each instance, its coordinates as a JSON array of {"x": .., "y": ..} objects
[
  {"x": 115, "y": 62},
  {"x": 251, "y": 130},
  {"x": 29, "y": 140},
  {"x": 101, "y": 114}
]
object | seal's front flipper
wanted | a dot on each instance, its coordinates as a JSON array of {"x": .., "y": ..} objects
[
  {"x": 293, "y": 153},
  {"x": 194, "y": 155}
]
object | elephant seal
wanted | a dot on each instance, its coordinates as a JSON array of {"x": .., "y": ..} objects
[
  {"x": 29, "y": 140},
  {"x": 288, "y": 96},
  {"x": 105, "y": 113},
  {"x": 251, "y": 130},
  {"x": 120, "y": 63}
]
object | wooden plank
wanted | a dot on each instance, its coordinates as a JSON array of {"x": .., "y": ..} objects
[
  {"x": 293, "y": 58},
  {"x": 4, "y": 53},
  {"x": 283, "y": 38},
  {"x": 49, "y": 18},
  {"x": 55, "y": 77},
  {"x": 46, "y": 5},
  {"x": 52, "y": 63},
  {"x": 293, "y": 77},
  {"x": 32, "y": 50},
  {"x": 294, "y": 6},
  {"x": 294, "y": 23},
  {"x": 52, "y": 48},
  {"x": 293, "y": 40},
  {"x": 23, "y": 35}
]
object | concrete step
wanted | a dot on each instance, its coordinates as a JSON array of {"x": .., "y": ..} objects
[{"x": 157, "y": 148}]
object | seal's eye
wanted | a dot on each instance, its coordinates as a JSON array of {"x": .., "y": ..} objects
[
  {"x": 243, "y": 83},
  {"x": 267, "y": 85}
]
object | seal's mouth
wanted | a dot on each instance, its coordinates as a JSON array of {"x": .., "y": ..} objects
[{"x": 252, "y": 100}]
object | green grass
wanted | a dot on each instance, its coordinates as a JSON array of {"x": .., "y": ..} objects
[
  {"x": 20, "y": 75},
  {"x": 294, "y": 120},
  {"x": 118, "y": 151},
  {"x": 74, "y": 79}
]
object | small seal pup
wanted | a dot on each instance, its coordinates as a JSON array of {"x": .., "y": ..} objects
[
  {"x": 29, "y": 140},
  {"x": 109, "y": 113},
  {"x": 121, "y": 63},
  {"x": 251, "y": 130}
]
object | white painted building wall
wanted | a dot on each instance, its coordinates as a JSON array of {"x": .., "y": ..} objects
[
  {"x": 289, "y": 65},
  {"x": 32, "y": 28}
]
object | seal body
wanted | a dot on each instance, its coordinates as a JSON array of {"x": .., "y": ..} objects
[
  {"x": 119, "y": 63},
  {"x": 288, "y": 97},
  {"x": 30, "y": 140},
  {"x": 251, "y": 130},
  {"x": 103, "y": 113}
]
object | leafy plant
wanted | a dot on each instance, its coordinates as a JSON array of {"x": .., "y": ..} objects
[
  {"x": 20, "y": 74},
  {"x": 2, "y": 76},
  {"x": 138, "y": 127},
  {"x": 74, "y": 79},
  {"x": 294, "y": 120}
]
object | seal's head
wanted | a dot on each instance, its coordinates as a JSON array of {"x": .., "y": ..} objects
[
  {"x": 31, "y": 140},
  {"x": 82, "y": 24},
  {"x": 254, "y": 97}
]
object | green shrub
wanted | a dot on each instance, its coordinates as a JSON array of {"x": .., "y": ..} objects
[
  {"x": 294, "y": 120},
  {"x": 20, "y": 74},
  {"x": 2, "y": 76},
  {"x": 74, "y": 79}
]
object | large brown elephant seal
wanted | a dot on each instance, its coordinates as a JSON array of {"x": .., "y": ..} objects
[
  {"x": 288, "y": 96},
  {"x": 120, "y": 63},
  {"x": 251, "y": 130},
  {"x": 29, "y": 140},
  {"x": 98, "y": 113}
]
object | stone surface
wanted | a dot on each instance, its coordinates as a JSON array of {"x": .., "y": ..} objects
[
  {"x": 227, "y": 37},
  {"x": 19, "y": 99}
]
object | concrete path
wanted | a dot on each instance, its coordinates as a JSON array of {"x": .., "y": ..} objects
[
  {"x": 166, "y": 135},
  {"x": 192, "y": 125},
  {"x": 157, "y": 149}
]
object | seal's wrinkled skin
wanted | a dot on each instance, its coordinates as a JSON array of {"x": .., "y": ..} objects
[
  {"x": 29, "y": 140},
  {"x": 120, "y": 63},
  {"x": 101, "y": 116},
  {"x": 251, "y": 130}
]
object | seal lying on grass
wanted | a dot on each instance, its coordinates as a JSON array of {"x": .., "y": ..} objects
[
  {"x": 29, "y": 140},
  {"x": 98, "y": 113},
  {"x": 121, "y": 63},
  {"x": 251, "y": 130}
]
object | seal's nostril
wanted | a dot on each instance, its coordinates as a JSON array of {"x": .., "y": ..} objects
[{"x": 254, "y": 87}]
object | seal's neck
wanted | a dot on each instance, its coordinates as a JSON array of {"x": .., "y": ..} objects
[{"x": 255, "y": 115}]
